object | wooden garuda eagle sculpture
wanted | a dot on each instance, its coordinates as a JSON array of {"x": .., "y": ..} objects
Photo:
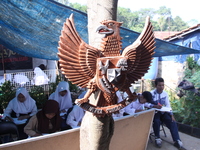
[{"x": 105, "y": 70}]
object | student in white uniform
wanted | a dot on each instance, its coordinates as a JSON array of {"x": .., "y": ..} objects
[
  {"x": 63, "y": 96},
  {"x": 161, "y": 99},
  {"x": 19, "y": 109},
  {"x": 121, "y": 111},
  {"x": 139, "y": 105},
  {"x": 75, "y": 116}
]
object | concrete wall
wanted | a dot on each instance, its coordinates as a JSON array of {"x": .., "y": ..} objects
[
  {"x": 131, "y": 133},
  {"x": 172, "y": 72}
]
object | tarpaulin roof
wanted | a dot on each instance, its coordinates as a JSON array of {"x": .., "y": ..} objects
[
  {"x": 189, "y": 38},
  {"x": 32, "y": 28}
]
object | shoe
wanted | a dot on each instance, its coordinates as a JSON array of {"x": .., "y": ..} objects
[
  {"x": 158, "y": 142},
  {"x": 178, "y": 144}
]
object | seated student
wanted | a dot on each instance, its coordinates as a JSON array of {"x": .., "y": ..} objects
[
  {"x": 139, "y": 104},
  {"x": 75, "y": 116},
  {"x": 19, "y": 109},
  {"x": 120, "y": 113},
  {"x": 63, "y": 96},
  {"x": 46, "y": 121},
  {"x": 160, "y": 98}
]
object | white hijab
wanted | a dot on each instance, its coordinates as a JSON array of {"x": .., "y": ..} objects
[
  {"x": 65, "y": 102},
  {"x": 23, "y": 107}
]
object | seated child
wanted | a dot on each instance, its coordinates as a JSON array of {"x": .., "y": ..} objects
[
  {"x": 143, "y": 101},
  {"x": 46, "y": 121},
  {"x": 20, "y": 109},
  {"x": 75, "y": 116},
  {"x": 62, "y": 95},
  {"x": 120, "y": 113}
]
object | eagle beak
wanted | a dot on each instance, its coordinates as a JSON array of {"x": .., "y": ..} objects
[{"x": 104, "y": 30}]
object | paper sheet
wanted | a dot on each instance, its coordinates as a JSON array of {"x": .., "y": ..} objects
[{"x": 165, "y": 109}]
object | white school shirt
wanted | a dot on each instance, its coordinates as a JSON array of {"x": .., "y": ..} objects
[
  {"x": 75, "y": 116},
  {"x": 161, "y": 98},
  {"x": 121, "y": 111},
  {"x": 77, "y": 113},
  {"x": 132, "y": 107},
  {"x": 28, "y": 106}
]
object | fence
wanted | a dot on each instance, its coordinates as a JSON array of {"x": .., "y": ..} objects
[{"x": 27, "y": 79}]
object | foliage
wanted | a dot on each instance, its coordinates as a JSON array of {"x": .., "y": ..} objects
[
  {"x": 192, "y": 71},
  {"x": 195, "y": 79},
  {"x": 41, "y": 96},
  {"x": 73, "y": 87},
  {"x": 53, "y": 85},
  {"x": 64, "y": 2},
  {"x": 177, "y": 24},
  {"x": 187, "y": 108},
  {"x": 191, "y": 63},
  {"x": 38, "y": 94},
  {"x": 161, "y": 18},
  {"x": 7, "y": 93},
  {"x": 129, "y": 19},
  {"x": 79, "y": 7}
]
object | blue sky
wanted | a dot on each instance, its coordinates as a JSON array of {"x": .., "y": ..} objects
[{"x": 187, "y": 10}]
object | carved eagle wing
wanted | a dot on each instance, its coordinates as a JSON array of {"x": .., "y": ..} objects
[
  {"x": 140, "y": 53},
  {"x": 77, "y": 59}
]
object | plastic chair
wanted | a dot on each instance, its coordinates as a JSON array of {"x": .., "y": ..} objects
[{"x": 9, "y": 131}]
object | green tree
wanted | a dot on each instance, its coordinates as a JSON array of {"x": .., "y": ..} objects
[
  {"x": 164, "y": 15},
  {"x": 161, "y": 19},
  {"x": 187, "y": 108},
  {"x": 161, "y": 22},
  {"x": 144, "y": 12},
  {"x": 178, "y": 24},
  {"x": 7, "y": 93},
  {"x": 78, "y": 7},
  {"x": 128, "y": 18},
  {"x": 64, "y": 2}
]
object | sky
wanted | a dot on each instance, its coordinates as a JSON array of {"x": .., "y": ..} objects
[{"x": 187, "y": 10}]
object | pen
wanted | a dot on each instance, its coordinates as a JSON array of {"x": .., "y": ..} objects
[{"x": 159, "y": 104}]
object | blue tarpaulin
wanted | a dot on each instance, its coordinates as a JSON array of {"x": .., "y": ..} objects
[
  {"x": 32, "y": 28},
  {"x": 191, "y": 39}
]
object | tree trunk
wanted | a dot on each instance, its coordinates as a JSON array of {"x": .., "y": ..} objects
[
  {"x": 96, "y": 132},
  {"x": 97, "y": 11}
]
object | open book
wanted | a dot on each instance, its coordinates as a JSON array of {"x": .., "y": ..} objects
[{"x": 165, "y": 109}]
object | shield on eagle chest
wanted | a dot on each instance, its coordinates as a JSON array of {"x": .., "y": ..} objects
[{"x": 114, "y": 69}]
